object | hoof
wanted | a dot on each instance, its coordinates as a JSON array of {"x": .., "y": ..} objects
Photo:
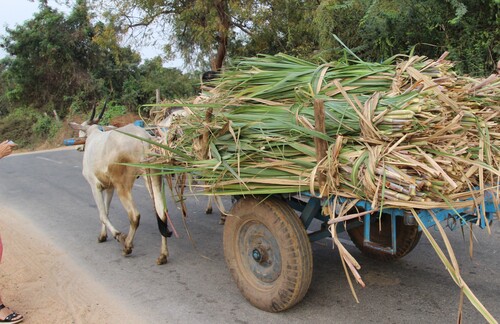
[
  {"x": 120, "y": 238},
  {"x": 101, "y": 239},
  {"x": 208, "y": 211},
  {"x": 222, "y": 221},
  {"x": 161, "y": 260},
  {"x": 127, "y": 249}
]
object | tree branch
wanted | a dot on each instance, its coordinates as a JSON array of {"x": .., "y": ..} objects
[
  {"x": 242, "y": 27},
  {"x": 149, "y": 19}
]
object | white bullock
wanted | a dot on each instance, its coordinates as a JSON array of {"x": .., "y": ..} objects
[{"x": 105, "y": 151}]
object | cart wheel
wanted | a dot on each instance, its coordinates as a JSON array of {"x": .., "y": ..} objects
[
  {"x": 268, "y": 253},
  {"x": 407, "y": 237}
]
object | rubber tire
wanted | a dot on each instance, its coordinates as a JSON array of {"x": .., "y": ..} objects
[
  {"x": 407, "y": 237},
  {"x": 294, "y": 277}
]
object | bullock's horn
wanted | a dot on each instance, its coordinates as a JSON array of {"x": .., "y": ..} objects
[
  {"x": 92, "y": 114},
  {"x": 102, "y": 111}
]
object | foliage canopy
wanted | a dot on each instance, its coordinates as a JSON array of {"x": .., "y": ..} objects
[
  {"x": 57, "y": 63},
  {"x": 215, "y": 31}
]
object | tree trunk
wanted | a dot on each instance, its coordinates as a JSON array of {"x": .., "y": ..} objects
[{"x": 224, "y": 25}]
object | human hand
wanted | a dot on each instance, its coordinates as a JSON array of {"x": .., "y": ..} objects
[{"x": 6, "y": 148}]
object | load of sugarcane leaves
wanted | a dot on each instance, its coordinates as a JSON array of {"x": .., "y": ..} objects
[
  {"x": 406, "y": 133},
  {"x": 402, "y": 133}
]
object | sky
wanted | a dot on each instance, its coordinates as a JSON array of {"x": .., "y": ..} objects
[{"x": 16, "y": 12}]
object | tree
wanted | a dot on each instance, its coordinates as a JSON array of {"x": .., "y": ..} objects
[
  {"x": 50, "y": 59},
  {"x": 141, "y": 88},
  {"x": 193, "y": 27},
  {"x": 206, "y": 32},
  {"x": 377, "y": 29},
  {"x": 475, "y": 32},
  {"x": 57, "y": 61},
  {"x": 275, "y": 26}
]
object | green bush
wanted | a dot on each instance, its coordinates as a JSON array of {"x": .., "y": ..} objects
[
  {"x": 46, "y": 127},
  {"x": 77, "y": 105},
  {"x": 18, "y": 127},
  {"x": 28, "y": 128},
  {"x": 111, "y": 112}
]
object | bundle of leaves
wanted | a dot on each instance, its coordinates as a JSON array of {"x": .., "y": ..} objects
[{"x": 407, "y": 132}]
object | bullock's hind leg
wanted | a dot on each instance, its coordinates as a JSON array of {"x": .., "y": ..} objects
[
  {"x": 208, "y": 209},
  {"x": 154, "y": 185},
  {"x": 133, "y": 216},
  {"x": 220, "y": 206}
]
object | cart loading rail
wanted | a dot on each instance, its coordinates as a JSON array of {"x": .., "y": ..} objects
[{"x": 310, "y": 209}]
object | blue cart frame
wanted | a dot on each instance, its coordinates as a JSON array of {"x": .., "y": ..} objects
[{"x": 311, "y": 209}]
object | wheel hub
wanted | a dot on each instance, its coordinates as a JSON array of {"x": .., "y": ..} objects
[
  {"x": 257, "y": 255},
  {"x": 260, "y": 252}
]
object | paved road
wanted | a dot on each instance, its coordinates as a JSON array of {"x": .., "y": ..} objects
[{"x": 195, "y": 286}]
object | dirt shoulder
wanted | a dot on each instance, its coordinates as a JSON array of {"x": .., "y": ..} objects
[{"x": 39, "y": 281}]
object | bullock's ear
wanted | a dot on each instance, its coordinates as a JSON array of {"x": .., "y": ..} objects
[{"x": 77, "y": 126}]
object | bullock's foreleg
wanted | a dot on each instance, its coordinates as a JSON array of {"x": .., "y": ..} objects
[
  {"x": 102, "y": 201},
  {"x": 154, "y": 185},
  {"x": 108, "y": 195}
]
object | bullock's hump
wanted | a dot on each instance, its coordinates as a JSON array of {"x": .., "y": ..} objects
[
  {"x": 134, "y": 130},
  {"x": 120, "y": 137}
]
